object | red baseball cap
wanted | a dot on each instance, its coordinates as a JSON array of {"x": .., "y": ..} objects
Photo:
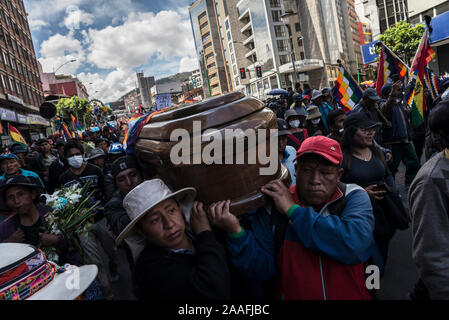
[{"x": 322, "y": 146}]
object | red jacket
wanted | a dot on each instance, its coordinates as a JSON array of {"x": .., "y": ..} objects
[{"x": 307, "y": 275}]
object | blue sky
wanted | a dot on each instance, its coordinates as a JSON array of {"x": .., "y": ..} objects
[{"x": 111, "y": 40}]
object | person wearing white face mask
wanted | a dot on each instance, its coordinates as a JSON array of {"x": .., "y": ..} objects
[
  {"x": 314, "y": 125},
  {"x": 98, "y": 239},
  {"x": 296, "y": 120},
  {"x": 80, "y": 171}
]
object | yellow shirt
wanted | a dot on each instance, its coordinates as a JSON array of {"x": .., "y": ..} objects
[{"x": 446, "y": 153}]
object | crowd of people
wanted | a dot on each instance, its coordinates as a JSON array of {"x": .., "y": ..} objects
[{"x": 314, "y": 240}]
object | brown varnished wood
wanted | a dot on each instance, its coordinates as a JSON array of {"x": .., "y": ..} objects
[
  {"x": 239, "y": 183},
  {"x": 210, "y": 118}
]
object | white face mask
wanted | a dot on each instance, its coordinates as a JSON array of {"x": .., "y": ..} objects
[
  {"x": 294, "y": 123},
  {"x": 316, "y": 121},
  {"x": 76, "y": 161}
]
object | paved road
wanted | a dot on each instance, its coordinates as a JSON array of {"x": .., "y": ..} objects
[{"x": 400, "y": 272}]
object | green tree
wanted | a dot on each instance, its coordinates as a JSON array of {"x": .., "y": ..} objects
[
  {"x": 403, "y": 39},
  {"x": 73, "y": 106}
]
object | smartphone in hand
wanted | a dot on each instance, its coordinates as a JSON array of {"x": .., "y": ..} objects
[{"x": 383, "y": 187}]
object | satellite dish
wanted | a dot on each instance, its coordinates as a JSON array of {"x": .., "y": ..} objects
[{"x": 47, "y": 110}]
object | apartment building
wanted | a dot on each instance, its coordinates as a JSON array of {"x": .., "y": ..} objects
[
  {"x": 20, "y": 87},
  {"x": 205, "y": 19}
]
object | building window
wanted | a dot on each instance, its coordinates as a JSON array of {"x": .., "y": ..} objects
[
  {"x": 302, "y": 55},
  {"x": 300, "y": 42},
  {"x": 279, "y": 31},
  {"x": 297, "y": 27},
  {"x": 13, "y": 63},
  {"x": 275, "y": 3},
  {"x": 273, "y": 82},
  {"x": 5, "y": 82},
  {"x": 276, "y": 15},
  {"x": 282, "y": 45},
  {"x": 232, "y": 58},
  {"x": 284, "y": 58},
  {"x": 5, "y": 58},
  {"x": 19, "y": 88},
  {"x": 227, "y": 24},
  {"x": 12, "y": 85},
  {"x": 237, "y": 81},
  {"x": 231, "y": 47},
  {"x": 229, "y": 35}
]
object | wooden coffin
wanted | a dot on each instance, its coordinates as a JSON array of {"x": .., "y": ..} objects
[{"x": 240, "y": 183}]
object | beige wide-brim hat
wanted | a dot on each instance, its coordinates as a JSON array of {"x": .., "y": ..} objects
[
  {"x": 145, "y": 197},
  {"x": 68, "y": 285},
  {"x": 313, "y": 113}
]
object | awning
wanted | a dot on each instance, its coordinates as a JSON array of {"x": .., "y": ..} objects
[{"x": 302, "y": 66}]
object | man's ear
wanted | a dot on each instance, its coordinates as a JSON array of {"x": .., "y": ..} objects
[
  {"x": 341, "y": 171},
  {"x": 33, "y": 194}
]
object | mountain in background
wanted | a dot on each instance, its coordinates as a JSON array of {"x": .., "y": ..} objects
[{"x": 179, "y": 77}]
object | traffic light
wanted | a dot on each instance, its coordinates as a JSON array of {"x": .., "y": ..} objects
[
  {"x": 259, "y": 72},
  {"x": 242, "y": 73}
]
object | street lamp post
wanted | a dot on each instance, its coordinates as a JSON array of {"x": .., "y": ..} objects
[
  {"x": 54, "y": 72},
  {"x": 284, "y": 18}
]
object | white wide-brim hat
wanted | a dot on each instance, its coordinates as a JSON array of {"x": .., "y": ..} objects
[
  {"x": 67, "y": 285},
  {"x": 64, "y": 287},
  {"x": 146, "y": 196}
]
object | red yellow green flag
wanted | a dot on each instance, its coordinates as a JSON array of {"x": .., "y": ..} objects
[{"x": 16, "y": 136}]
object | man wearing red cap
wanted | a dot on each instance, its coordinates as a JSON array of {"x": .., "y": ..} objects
[{"x": 314, "y": 243}]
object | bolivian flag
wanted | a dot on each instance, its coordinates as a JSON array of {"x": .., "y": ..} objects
[{"x": 16, "y": 136}]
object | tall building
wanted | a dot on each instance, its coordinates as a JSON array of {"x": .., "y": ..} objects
[
  {"x": 391, "y": 12},
  {"x": 205, "y": 19},
  {"x": 418, "y": 9},
  {"x": 20, "y": 87},
  {"x": 328, "y": 36},
  {"x": 145, "y": 84},
  {"x": 258, "y": 44}
]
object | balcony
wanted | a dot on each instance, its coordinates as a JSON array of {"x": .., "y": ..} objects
[
  {"x": 212, "y": 69},
  {"x": 249, "y": 40},
  {"x": 204, "y": 30},
  {"x": 210, "y": 60},
  {"x": 251, "y": 53},
  {"x": 245, "y": 17},
  {"x": 247, "y": 28},
  {"x": 208, "y": 50},
  {"x": 216, "y": 91},
  {"x": 203, "y": 20}
]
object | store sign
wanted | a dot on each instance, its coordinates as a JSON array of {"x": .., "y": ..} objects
[
  {"x": 302, "y": 66},
  {"x": 14, "y": 99},
  {"x": 7, "y": 115},
  {"x": 369, "y": 52},
  {"x": 22, "y": 118},
  {"x": 35, "y": 119}
]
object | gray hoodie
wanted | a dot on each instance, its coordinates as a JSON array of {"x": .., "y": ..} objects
[{"x": 429, "y": 209}]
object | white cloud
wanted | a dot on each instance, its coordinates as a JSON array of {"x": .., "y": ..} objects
[
  {"x": 36, "y": 25},
  {"x": 188, "y": 64},
  {"x": 59, "y": 49},
  {"x": 76, "y": 17},
  {"x": 110, "y": 87},
  {"x": 141, "y": 36}
]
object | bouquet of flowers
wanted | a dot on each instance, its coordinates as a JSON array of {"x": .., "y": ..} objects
[{"x": 71, "y": 215}]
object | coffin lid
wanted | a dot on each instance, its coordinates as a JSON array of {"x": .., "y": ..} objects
[{"x": 213, "y": 113}]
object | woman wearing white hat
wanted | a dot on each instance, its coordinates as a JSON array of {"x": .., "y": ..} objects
[
  {"x": 174, "y": 264},
  {"x": 26, "y": 274}
]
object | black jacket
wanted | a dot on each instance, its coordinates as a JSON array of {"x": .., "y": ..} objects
[
  {"x": 115, "y": 213},
  {"x": 56, "y": 169},
  {"x": 165, "y": 275}
]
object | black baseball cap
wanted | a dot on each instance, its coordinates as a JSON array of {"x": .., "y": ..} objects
[
  {"x": 283, "y": 128},
  {"x": 22, "y": 181},
  {"x": 371, "y": 93},
  {"x": 122, "y": 164},
  {"x": 360, "y": 120}
]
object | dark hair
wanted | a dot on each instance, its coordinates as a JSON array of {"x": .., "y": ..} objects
[
  {"x": 100, "y": 140},
  {"x": 73, "y": 144},
  {"x": 333, "y": 115},
  {"x": 348, "y": 144}
]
